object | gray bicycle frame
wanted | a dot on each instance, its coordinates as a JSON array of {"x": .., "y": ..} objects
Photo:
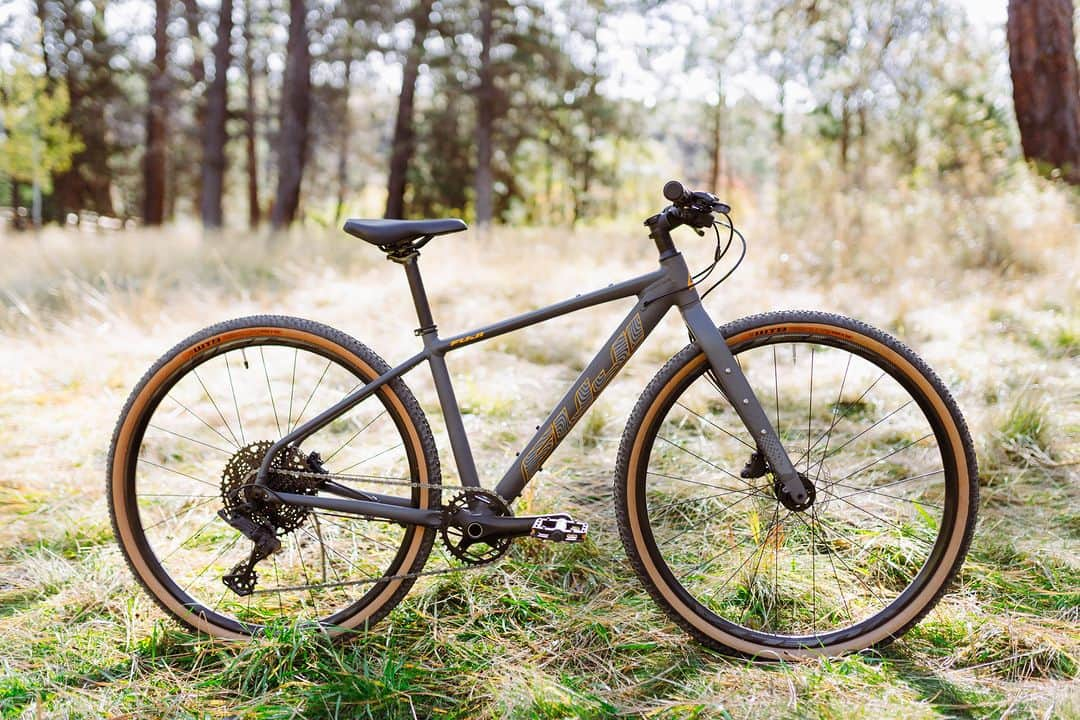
[{"x": 657, "y": 292}]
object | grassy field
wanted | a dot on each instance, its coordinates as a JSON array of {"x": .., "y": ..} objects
[{"x": 989, "y": 299}]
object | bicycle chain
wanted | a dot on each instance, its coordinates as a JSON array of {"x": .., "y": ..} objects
[{"x": 375, "y": 480}]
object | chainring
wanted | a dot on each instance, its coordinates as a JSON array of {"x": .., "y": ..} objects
[
  {"x": 460, "y": 545},
  {"x": 287, "y": 471}
]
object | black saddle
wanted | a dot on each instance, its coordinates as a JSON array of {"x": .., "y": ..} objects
[{"x": 398, "y": 235}]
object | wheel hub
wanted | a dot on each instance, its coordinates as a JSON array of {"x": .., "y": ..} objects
[
  {"x": 788, "y": 501},
  {"x": 238, "y": 478}
]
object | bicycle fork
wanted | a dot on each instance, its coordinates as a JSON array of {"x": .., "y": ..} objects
[{"x": 741, "y": 396}]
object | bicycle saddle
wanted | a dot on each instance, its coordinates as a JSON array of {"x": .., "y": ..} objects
[{"x": 392, "y": 234}]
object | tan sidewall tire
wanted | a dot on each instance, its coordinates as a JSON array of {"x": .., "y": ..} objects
[
  {"x": 206, "y": 342},
  {"x": 690, "y": 360}
]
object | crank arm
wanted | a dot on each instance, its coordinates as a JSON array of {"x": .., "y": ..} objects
[{"x": 741, "y": 396}]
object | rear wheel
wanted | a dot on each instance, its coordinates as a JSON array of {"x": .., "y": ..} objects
[
  {"x": 885, "y": 456},
  {"x": 192, "y": 436}
]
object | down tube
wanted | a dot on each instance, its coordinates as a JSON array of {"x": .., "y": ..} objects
[{"x": 593, "y": 379}]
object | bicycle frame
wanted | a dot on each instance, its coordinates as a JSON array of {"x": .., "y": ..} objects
[{"x": 657, "y": 292}]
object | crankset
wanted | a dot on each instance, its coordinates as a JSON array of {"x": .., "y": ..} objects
[{"x": 479, "y": 526}]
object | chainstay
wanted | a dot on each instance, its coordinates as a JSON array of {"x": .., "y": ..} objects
[{"x": 378, "y": 480}]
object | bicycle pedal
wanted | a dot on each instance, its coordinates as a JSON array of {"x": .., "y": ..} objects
[{"x": 559, "y": 528}]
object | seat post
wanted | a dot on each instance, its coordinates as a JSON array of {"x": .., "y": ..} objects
[{"x": 419, "y": 295}]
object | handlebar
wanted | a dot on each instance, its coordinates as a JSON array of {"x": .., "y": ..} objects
[
  {"x": 688, "y": 207},
  {"x": 680, "y": 197}
]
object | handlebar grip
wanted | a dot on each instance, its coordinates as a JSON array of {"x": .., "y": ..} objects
[{"x": 675, "y": 192}]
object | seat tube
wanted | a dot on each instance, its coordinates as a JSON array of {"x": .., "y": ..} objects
[
  {"x": 455, "y": 426},
  {"x": 419, "y": 295},
  {"x": 428, "y": 331}
]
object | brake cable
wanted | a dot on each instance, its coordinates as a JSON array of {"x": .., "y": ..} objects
[{"x": 699, "y": 278}]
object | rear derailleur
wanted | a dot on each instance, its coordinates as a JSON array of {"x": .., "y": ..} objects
[
  {"x": 263, "y": 520},
  {"x": 241, "y": 579}
]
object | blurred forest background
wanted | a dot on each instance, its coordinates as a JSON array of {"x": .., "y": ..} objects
[
  {"x": 542, "y": 112},
  {"x": 164, "y": 165}
]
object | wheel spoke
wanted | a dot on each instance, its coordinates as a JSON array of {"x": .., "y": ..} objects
[
  {"x": 213, "y": 402},
  {"x": 270, "y": 391},
  {"x": 189, "y": 538},
  {"x": 885, "y": 457},
  {"x": 197, "y": 417},
  {"x": 753, "y": 552},
  {"x": 186, "y": 510},
  {"x": 190, "y": 439},
  {"x": 843, "y": 562},
  {"x": 236, "y": 405},
  {"x": 723, "y": 430},
  {"x": 710, "y": 464},
  {"x": 757, "y": 566},
  {"x": 227, "y": 548},
  {"x": 292, "y": 390},
  {"x": 860, "y": 434},
  {"x": 859, "y": 491},
  {"x": 750, "y": 489},
  {"x": 372, "y": 457},
  {"x": 312, "y": 395},
  {"x": 177, "y": 472},
  {"x": 810, "y": 409},
  {"x": 877, "y": 517},
  {"x": 832, "y": 564},
  {"x": 832, "y": 423},
  {"x": 354, "y": 436},
  {"x": 856, "y": 403},
  {"x": 722, "y": 510}
]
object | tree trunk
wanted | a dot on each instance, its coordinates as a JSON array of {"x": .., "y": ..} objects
[
  {"x": 864, "y": 131},
  {"x": 716, "y": 166},
  {"x": 485, "y": 117},
  {"x": 214, "y": 137},
  {"x": 845, "y": 132},
  {"x": 295, "y": 108},
  {"x": 192, "y": 15},
  {"x": 250, "y": 115},
  {"x": 86, "y": 185},
  {"x": 404, "y": 131},
  {"x": 1046, "y": 91},
  {"x": 346, "y": 131},
  {"x": 153, "y": 210},
  {"x": 43, "y": 17}
]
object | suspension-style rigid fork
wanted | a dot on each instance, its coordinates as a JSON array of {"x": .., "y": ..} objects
[{"x": 737, "y": 389}]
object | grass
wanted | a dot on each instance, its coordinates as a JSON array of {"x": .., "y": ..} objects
[{"x": 553, "y": 631}]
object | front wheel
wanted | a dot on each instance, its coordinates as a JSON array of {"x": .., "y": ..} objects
[
  {"x": 191, "y": 438},
  {"x": 887, "y": 460}
]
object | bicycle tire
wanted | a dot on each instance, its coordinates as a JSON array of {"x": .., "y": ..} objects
[
  {"x": 649, "y": 501},
  {"x": 182, "y": 458}
]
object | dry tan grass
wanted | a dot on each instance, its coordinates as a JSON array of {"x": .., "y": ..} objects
[{"x": 555, "y": 631}]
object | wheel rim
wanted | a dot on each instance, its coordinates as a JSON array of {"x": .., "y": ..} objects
[
  {"x": 205, "y": 414},
  {"x": 885, "y": 496}
]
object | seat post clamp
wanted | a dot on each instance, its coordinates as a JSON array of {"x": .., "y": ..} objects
[
  {"x": 395, "y": 255},
  {"x": 426, "y": 330}
]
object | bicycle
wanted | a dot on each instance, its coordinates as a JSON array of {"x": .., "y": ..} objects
[{"x": 788, "y": 484}]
